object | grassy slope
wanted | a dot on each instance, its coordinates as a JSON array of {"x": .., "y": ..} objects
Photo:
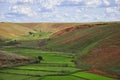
[
  {"x": 11, "y": 30},
  {"x": 101, "y": 42},
  {"x": 79, "y": 39},
  {"x": 21, "y": 30},
  {"x": 47, "y": 27}
]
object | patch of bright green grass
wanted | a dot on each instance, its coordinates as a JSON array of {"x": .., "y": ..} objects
[
  {"x": 91, "y": 76},
  {"x": 29, "y": 72},
  {"x": 47, "y": 68},
  {"x": 49, "y": 57},
  {"x": 33, "y": 36},
  {"x": 16, "y": 77},
  {"x": 61, "y": 78}
]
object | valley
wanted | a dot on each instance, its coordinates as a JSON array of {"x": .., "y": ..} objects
[{"x": 69, "y": 51}]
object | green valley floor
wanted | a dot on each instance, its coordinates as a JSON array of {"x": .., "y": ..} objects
[{"x": 54, "y": 66}]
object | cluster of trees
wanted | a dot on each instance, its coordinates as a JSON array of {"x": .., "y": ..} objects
[{"x": 34, "y": 34}]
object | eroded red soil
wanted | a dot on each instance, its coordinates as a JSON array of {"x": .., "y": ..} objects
[{"x": 96, "y": 71}]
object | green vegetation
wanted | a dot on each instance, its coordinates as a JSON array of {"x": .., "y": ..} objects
[
  {"x": 5, "y": 76},
  {"x": 47, "y": 68},
  {"x": 91, "y": 76},
  {"x": 48, "y": 57},
  {"x": 62, "y": 78},
  {"x": 54, "y": 66},
  {"x": 34, "y": 36}
]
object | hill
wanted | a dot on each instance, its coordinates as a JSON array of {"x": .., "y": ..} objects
[
  {"x": 22, "y": 30},
  {"x": 48, "y": 27},
  {"x": 94, "y": 46},
  {"x": 11, "y": 30}
]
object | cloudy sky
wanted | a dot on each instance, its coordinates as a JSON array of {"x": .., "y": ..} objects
[{"x": 59, "y": 10}]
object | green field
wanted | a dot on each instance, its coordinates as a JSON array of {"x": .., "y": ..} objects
[
  {"x": 33, "y": 36},
  {"x": 55, "y": 66},
  {"x": 91, "y": 76}
]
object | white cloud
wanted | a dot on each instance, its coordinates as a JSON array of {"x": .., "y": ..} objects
[
  {"x": 112, "y": 10},
  {"x": 21, "y": 1},
  {"x": 89, "y": 3},
  {"x": 2, "y": 16},
  {"x": 76, "y": 1},
  {"x": 50, "y": 4},
  {"x": 78, "y": 10},
  {"x": 106, "y": 2},
  {"x": 60, "y": 10},
  {"x": 66, "y": 14},
  {"x": 117, "y": 2},
  {"x": 93, "y": 3},
  {"x": 25, "y": 10}
]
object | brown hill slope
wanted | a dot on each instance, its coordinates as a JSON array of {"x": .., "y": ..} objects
[
  {"x": 10, "y": 59},
  {"x": 17, "y": 30},
  {"x": 49, "y": 27},
  {"x": 11, "y": 30}
]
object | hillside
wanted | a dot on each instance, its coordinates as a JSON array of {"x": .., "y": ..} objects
[
  {"x": 22, "y": 30},
  {"x": 11, "y": 30},
  {"x": 10, "y": 59},
  {"x": 48, "y": 27},
  {"x": 96, "y": 47}
]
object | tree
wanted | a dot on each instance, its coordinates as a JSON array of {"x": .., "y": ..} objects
[
  {"x": 39, "y": 59},
  {"x": 30, "y": 33}
]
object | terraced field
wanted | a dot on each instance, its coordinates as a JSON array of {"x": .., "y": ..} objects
[{"x": 54, "y": 66}]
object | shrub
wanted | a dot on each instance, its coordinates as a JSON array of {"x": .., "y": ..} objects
[
  {"x": 14, "y": 42},
  {"x": 30, "y": 33}
]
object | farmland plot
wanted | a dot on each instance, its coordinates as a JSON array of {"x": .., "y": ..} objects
[{"x": 54, "y": 66}]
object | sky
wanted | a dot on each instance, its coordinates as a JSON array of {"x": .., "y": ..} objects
[{"x": 59, "y": 10}]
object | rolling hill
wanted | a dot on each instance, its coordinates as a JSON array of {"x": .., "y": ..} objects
[
  {"x": 48, "y": 27},
  {"x": 19, "y": 30},
  {"x": 11, "y": 30},
  {"x": 95, "y": 47}
]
